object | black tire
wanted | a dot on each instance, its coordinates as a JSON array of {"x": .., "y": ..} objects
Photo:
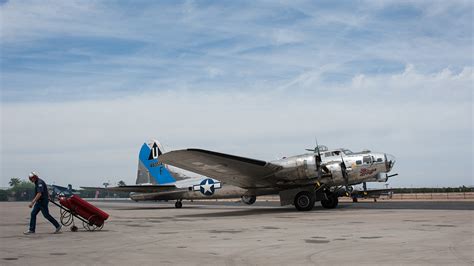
[
  {"x": 304, "y": 201},
  {"x": 331, "y": 202},
  {"x": 249, "y": 200},
  {"x": 178, "y": 204}
]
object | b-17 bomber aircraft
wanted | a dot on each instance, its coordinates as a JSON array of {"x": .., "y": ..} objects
[{"x": 322, "y": 175}]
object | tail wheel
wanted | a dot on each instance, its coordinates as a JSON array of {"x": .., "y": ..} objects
[
  {"x": 178, "y": 204},
  {"x": 331, "y": 202},
  {"x": 304, "y": 201}
]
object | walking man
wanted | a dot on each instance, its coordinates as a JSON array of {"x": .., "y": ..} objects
[{"x": 40, "y": 203}]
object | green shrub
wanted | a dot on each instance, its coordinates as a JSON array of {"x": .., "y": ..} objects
[{"x": 4, "y": 195}]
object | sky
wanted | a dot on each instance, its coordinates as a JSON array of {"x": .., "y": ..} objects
[{"x": 85, "y": 83}]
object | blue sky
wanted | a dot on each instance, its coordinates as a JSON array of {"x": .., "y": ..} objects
[{"x": 85, "y": 83}]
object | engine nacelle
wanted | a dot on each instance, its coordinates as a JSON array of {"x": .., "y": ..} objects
[
  {"x": 335, "y": 170},
  {"x": 249, "y": 200},
  {"x": 381, "y": 177},
  {"x": 297, "y": 167}
]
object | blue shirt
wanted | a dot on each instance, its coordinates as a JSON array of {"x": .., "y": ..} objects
[{"x": 41, "y": 187}]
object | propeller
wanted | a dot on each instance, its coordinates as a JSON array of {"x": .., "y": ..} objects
[
  {"x": 388, "y": 176},
  {"x": 317, "y": 158},
  {"x": 345, "y": 175},
  {"x": 317, "y": 149}
]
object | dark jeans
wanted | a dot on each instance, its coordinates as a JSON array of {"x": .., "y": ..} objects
[{"x": 42, "y": 206}]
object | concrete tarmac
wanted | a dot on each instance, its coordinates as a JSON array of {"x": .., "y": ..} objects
[{"x": 229, "y": 233}]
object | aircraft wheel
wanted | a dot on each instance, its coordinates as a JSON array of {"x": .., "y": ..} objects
[
  {"x": 331, "y": 202},
  {"x": 178, "y": 204},
  {"x": 249, "y": 200},
  {"x": 304, "y": 201},
  {"x": 355, "y": 200}
]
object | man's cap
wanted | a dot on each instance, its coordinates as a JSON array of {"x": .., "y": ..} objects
[{"x": 32, "y": 174}]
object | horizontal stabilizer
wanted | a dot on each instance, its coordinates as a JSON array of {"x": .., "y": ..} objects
[{"x": 135, "y": 188}]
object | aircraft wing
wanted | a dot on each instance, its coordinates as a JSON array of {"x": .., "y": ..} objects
[
  {"x": 136, "y": 188},
  {"x": 230, "y": 169}
]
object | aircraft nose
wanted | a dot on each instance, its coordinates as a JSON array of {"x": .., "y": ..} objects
[{"x": 389, "y": 161}]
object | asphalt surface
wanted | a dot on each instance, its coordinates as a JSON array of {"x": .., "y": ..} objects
[
  {"x": 228, "y": 233},
  {"x": 367, "y": 204}
]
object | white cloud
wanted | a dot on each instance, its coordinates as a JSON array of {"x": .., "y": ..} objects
[
  {"x": 285, "y": 36},
  {"x": 83, "y": 142},
  {"x": 238, "y": 79}
]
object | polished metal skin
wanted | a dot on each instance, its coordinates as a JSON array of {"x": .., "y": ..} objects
[
  {"x": 300, "y": 180},
  {"x": 338, "y": 167},
  {"x": 360, "y": 167}
]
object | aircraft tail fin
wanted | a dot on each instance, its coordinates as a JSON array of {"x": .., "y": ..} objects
[{"x": 150, "y": 169}]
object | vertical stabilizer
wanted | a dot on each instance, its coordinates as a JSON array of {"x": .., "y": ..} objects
[{"x": 150, "y": 169}]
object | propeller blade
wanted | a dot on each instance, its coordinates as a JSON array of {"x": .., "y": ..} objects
[
  {"x": 345, "y": 175},
  {"x": 318, "y": 158}
]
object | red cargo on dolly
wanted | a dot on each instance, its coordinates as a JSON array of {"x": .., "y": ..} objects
[{"x": 92, "y": 217}]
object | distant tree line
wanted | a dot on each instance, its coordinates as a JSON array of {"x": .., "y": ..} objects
[
  {"x": 90, "y": 193},
  {"x": 21, "y": 190},
  {"x": 434, "y": 190}
]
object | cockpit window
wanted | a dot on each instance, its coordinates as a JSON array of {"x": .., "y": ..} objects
[
  {"x": 327, "y": 154},
  {"x": 347, "y": 152},
  {"x": 379, "y": 160},
  {"x": 367, "y": 159}
]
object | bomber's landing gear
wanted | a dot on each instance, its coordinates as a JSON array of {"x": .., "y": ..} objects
[
  {"x": 304, "y": 201},
  {"x": 331, "y": 202},
  {"x": 249, "y": 200},
  {"x": 178, "y": 204}
]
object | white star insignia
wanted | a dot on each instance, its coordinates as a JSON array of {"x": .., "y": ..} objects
[{"x": 207, "y": 187}]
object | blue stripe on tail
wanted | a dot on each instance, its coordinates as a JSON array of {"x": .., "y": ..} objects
[{"x": 150, "y": 159}]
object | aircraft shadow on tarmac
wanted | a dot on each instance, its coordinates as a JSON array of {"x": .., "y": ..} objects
[
  {"x": 164, "y": 207},
  {"x": 341, "y": 208},
  {"x": 412, "y": 205},
  {"x": 238, "y": 212}
]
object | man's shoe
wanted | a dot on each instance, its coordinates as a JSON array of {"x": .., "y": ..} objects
[
  {"x": 28, "y": 232},
  {"x": 58, "y": 230}
]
